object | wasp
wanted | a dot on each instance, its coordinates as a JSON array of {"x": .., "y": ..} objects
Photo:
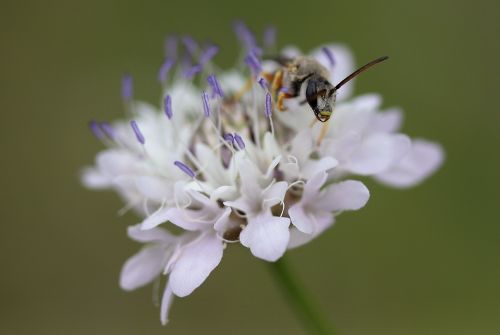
[{"x": 320, "y": 94}]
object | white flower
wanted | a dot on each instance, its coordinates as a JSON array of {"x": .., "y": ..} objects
[{"x": 224, "y": 168}]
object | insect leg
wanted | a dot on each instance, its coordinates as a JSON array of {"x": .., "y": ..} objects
[
  {"x": 281, "y": 97},
  {"x": 277, "y": 82}
]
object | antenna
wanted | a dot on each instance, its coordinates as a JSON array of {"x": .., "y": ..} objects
[{"x": 360, "y": 70}]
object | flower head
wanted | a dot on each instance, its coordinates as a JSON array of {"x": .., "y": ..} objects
[{"x": 229, "y": 167}]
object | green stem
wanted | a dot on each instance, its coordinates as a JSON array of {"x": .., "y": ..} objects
[{"x": 301, "y": 301}]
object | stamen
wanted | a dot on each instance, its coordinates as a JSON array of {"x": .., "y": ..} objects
[
  {"x": 190, "y": 72},
  {"x": 164, "y": 69},
  {"x": 228, "y": 137},
  {"x": 328, "y": 53},
  {"x": 253, "y": 63},
  {"x": 171, "y": 47},
  {"x": 270, "y": 37},
  {"x": 168, "y": 106},
  {"x": 108, "y": 130},
  {"x": 214, "y": 83},
  {"x": 269, "y": 105},
  {"x": 264, "y": 84},
  {"x": 137, "y": 132},
  {"x": 127, "y": 87},
  {"x": 190, "y": 45},
  {"x": 96, "y": 130},
  {"x": 208, "y": 54},
  {"x": 186, "y": 169},
  {"x": 244, "y": 35},
  {"x": 239, "y": 141},
  {"x": 206, "y": 105}
]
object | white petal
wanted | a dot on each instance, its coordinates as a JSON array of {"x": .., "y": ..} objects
[
  {"x": 185, "y": 219},
  {"x": 94, "y": 179},
  {"x": 346, "y": 195},
  {"x": 302, "y": 145},
  {"x": 223, "y": 222},
  {"x": 314, "y": 166},
  {"x": 266, "y": 235},
  {"x": 423, "y": 159},
  {"x": 300, "y": 219},
  {"x": 321, "y": 221},
  {"x": 166, "y": 302},
  {"x": 155, "y": 188},
  {"x": 274, "y": 194},
  {"x": 194, "y": 265},
  {"x": 377, "y": 153},
  {"x": 224, "y": 193},
  {"x": 142, "y": 268},
  {"x": 312, "y": 187},
  {"x": 387, "y": 122},
  {"x": 152, "y": 235}
]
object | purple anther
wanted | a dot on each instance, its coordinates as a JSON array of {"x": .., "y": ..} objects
[
  {"x": 214, "y": 83},
  {"x": 96, "y": 130},
  {"x": 253, "y": 63},
  {"x": 184, "y": 168},
  {"x": 168, "y": 106},
  {"x": 190, "y": 45},
  {"x": 192, "y": 71},
  {"x": 263, "y": 83},
  {"x": 164, "y": 69},
  {"x": 171, "y": 47},
  {"x": 269, "y": 105},
  {"x": 244, "y": 35},
  {"x": 127, "y": 87},
  {"x": 137, "y": 132},
  {"x": 239, "y": 141},
  {"x": 208, "y": 54},
  {"x": 108, "y": 130},
  {"x": 328, "y": 53},
  {"x": 206, "y": 105},
  {"x": 228, "y": 137},
  {"x": 270, "y": 37}
]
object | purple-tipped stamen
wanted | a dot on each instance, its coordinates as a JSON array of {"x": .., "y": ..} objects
[
  {"x": 269, "y": 105},
  {"x": 270, "y": 37},
  {"x": 184, "y": 168},
  {"x": 127, "y": 87},
  {"x": 253, "y": 63},
  {"x": 228, "y": 137},
  {"x": 168, "y": 106},
  {"x": 208, "y": 54},
  {"x": 190, "y": 45},
  {"x": 96, "y": 130},
  {"x": 192, "y": 71},
  {"x": 164, "y": 69},
  {"x": 108, "y": 130},
  {"x": 263, "y": 83},
  {"x": 137, "y": 132},
  {"x": 206, "y": 104},
  {"x": 239, "y": 141},
  {"x": 171, "y": 47},
  {"x": 214, "y": 83},
  {"x": 244, "y": 35},
  {"x": 328, "y": 53}
]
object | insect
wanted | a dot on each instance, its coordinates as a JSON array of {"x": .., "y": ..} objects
[{"x": 320, "y": 94}]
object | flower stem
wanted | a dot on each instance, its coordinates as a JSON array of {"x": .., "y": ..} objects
[{"x": 301, "y": 301}]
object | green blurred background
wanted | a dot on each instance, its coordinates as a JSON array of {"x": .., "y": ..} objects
[{"x": 418, "y": 261}]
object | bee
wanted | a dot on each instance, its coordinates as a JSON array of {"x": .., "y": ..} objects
[{"x": 320, "y": 94}]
